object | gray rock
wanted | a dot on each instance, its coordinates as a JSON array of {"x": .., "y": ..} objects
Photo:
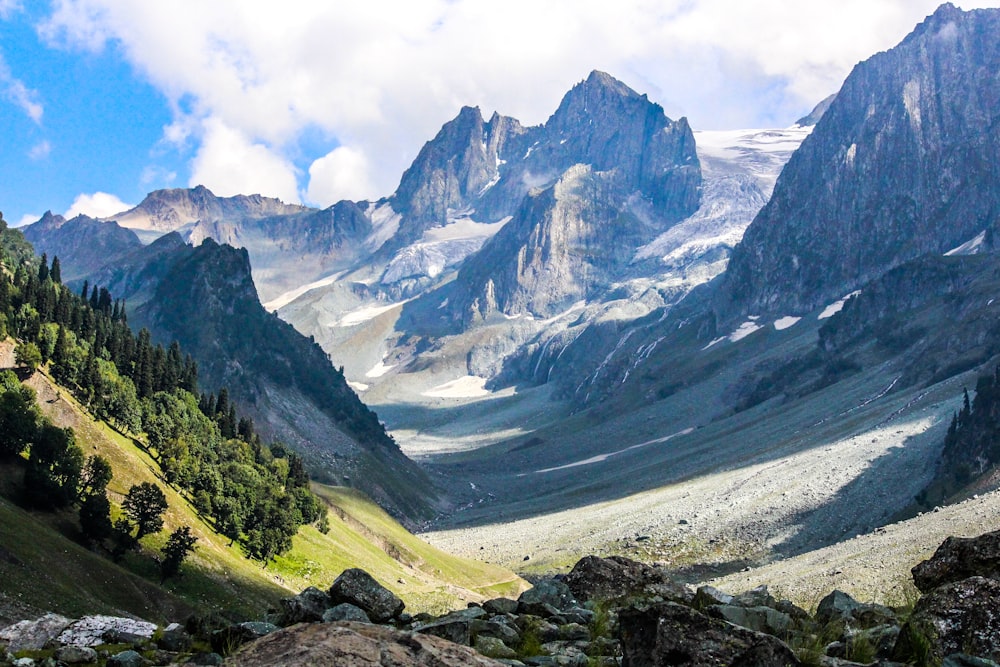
[
  {"x": 492, "y": 647},
  {"x": 227, "y": 640},
  {"x": 174, "y": 640},
  {"x": 619, "y": 578},
  {"x": 306, "y": 607},
  {"x": 760, "y": 619},
  {"x": 706, "y": 596},
  {"x": 126, "y": 659},
  {"x": 96, "y": 630},
  {"x": 500, "y": 606},
  {"x": 33, "y": 635},
  {"x": 345, "y": 612},
  {"x": 959, "y": 558},
  {"x": 499, "y": 628},
  {"x": 357, "y": 587},
  {"x": 547, "y": 592},
  {"x": 205, "y": 659},
  {"x": 75, "y": 655},
  {"x": 960, "y": 617},
  {"x": 572, "y": 632},
  {"x": 356, "y": 645},
  {"x": 962, "y": 660},
  {"x": 670, "y": 633}
]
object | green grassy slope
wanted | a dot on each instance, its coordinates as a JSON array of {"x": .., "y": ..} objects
[{"x": 44, "y": 570}]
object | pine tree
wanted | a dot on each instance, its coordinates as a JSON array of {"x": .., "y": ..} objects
[
  {"x": 43, "y": 268},
  {"x": 56, "y": 272},
  {"x": 180, "y": 543}
]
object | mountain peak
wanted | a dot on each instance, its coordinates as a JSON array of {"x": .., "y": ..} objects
[{"x": 598, "y": 80}]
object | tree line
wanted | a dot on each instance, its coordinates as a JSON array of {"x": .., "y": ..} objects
[{"x": 255, "y": 494}]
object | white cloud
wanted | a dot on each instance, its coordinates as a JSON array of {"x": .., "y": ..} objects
[
  {"x": 383, "y": 75},
  {"x": 40, "y": 151},
  {"x": 18, "y": 93},
  {"x": 341, "y": 174},
  {"x": 228, "y": 163},
  {"x": 96, "y": 205},
  {"x": 9, "y": 7}
]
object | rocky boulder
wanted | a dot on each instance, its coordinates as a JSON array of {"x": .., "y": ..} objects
[
  {"x": 617, "y": 578},
  {"x": 227, "y": 640},
  {"x": 959, "y": 558},
  {"x": 673, "y": 634},
  {"x": 306, "y": 607},
  {"x": 355, "y": 645},
  {"x": 546, "y": 596},
  {"x": 33, "y": 635},
  {"x": 357, "y": 587},
  {"x": 841, "y": 606},
  {"x": 960, "y": 617}
]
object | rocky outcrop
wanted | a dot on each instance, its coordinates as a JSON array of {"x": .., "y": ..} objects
[
  {"x": 617, "y": 577},
  {"x": 959, "y": 558},
  {"x": 900, "y": 165},
  {"x": 355, "y": 645},
  {"x": 674, "y": 634}
]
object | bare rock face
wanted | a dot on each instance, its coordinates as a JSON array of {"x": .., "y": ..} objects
[
  {"x": 900, "y": 165},
  {"x": 355, "y": 645},
  {"x": 673, "y": 634},
  {"x": 960, "y": 617},
  {"x": 959, "y": 558}
]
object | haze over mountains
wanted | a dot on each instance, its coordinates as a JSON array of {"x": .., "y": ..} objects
[{"x": 612, "y": 303}]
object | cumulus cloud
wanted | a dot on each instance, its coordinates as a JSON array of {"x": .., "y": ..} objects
[
  {"x": 9, "y": 7},
  {"x": 96, "y": 205},
  {"x": 341, "y": 174},
  {"x": 27, "y": 219},
  {"x": 383, "y": 75},
  {"x": 228, "y": 163}
]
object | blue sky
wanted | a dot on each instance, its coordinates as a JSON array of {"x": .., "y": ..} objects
[{"x": 102, "y": 101}]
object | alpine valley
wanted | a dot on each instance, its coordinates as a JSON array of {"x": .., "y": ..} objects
[{"x": 616, "y": 334}]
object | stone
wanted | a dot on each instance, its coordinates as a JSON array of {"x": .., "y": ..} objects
[
  {"x": 959, "y": 558},
  {"x": 960, "y": 617},
  {"x": 962, "y": 660},
  {"x": 33, "y": 635},
  {"x": 756, "y": 597},
  {"x": 96, "y": 630},
  {"x": 837, "y": 605},
  {"x": 500, "y": 606},
  {"x": 226, "y": 641},
  {"x": 355, "y": 645},
  {"x": 706, "y": 596},
  {"x": 574, "y": 632},
  {"x": 760, "y": 619},
  {"x": 306, "y": 607},
  {"x": 619, "y": 578},
  {"x": 75, "y": 655},
  {"x": 205, "y": 659},
  {"x": 175, "y": 640},
  {"x": 492, "y": 647},
  {"x": 454, "y": 629},
  {"x": 345, "y": 611},
  {"x": 499, "y": 628},
  {"x": 126, "y": 659},
  {"x": 551, "y": 592},
  {"x": 359, "y": 588},
  {"x": 672, "y": 634}
]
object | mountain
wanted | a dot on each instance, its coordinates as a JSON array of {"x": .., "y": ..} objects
[
  {"x": 204, "y": 298},
  {"x": 899, "y": 166},
  {"x": 170, "y": 210},
  {"x": 82, "y": 244}
]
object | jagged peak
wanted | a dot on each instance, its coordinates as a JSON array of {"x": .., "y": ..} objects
[{"x": 598, "y": 80}]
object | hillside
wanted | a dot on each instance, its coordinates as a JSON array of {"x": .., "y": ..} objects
[{"x": 217, "y": 576}]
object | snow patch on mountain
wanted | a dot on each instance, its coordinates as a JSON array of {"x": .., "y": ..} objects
[
  {"x": 836, "y": 306},
  {"x": 468, "y": 386},
  {"x": 283, "y": 300},
  {"x": 786, "y": 322},
  {"x": 970, "y": 247},
  {"x": 385, "y": 224}
]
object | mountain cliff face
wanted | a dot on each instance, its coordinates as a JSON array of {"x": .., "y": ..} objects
[{"x": 901, "y": 164}]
